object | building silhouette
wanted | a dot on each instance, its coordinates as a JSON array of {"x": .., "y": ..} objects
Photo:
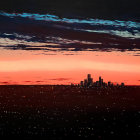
[
  {"x": 89, "y": 80},
  {"x": 100, "y": 83}
]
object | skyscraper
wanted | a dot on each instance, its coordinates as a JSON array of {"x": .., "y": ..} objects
[
  {"x": 100, "y": 81},
  {"x": 85, "y": 82},
  {"x": 122, "y": 84},
  {"x": 89, "y": 76},
  {"x": 89, "y": 80},
  {"x": 109, "y": 83},
  {"x": 82, "y": 83}
]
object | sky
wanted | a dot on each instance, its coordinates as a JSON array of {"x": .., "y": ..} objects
[
  {"x": 46, "y": 48},
  {"x": 124, "y": 9},
  {"x": 66, "y": 67}
]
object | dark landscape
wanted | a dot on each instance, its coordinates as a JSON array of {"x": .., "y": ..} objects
[{"x": 64, "y": 111}]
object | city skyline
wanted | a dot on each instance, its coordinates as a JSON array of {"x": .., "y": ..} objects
[
  {"x": 89, "y": 82},
  {"x": 19, "y": 66}
]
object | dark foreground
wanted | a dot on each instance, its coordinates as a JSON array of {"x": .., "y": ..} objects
[{"x": 60, "y": 112}]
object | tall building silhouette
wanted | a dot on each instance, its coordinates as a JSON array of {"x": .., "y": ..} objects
[
  {"x": 82, "y": 83},
  {"x": 89, "y": 82},
  {"x": 109, "y": 83},
  {"x": 85, "y": 82},
  {"x": 100, "y": 81},
  {"x": 89, "y": 76}
]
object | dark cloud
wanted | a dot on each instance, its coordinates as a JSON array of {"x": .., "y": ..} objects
[
  {"x": 27, "y": 81},
  {"x": 5, "y": 82},
  {"x": 60, "y": 79},
  {"x": 39, "y": 81},
  {"x": 26, "y": 31},
  {"x": 89, "y": 8}
]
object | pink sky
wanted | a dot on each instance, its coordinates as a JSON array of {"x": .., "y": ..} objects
[{"x": 39, "y": 67}]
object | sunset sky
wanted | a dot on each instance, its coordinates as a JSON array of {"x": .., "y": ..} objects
[
  {"x": 42, "y": 48},
  {"x": 39, "y": 67}
]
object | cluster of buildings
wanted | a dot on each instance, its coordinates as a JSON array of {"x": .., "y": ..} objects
[{"x": 88, "y": 82}]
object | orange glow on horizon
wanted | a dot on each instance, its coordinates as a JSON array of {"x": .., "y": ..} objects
[{"x": 25, "y": 67}]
